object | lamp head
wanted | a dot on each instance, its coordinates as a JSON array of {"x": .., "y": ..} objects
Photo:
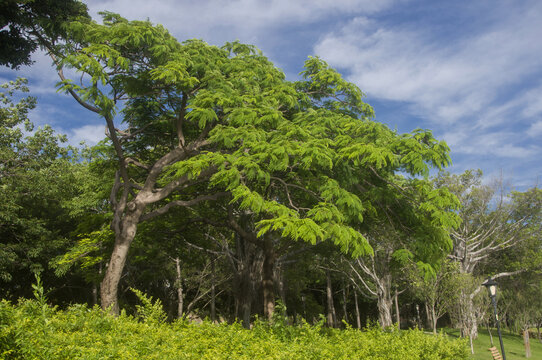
[{"x": 491, "y": 286}]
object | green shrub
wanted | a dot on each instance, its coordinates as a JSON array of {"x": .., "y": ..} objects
[{"x": 80, "y": 332}]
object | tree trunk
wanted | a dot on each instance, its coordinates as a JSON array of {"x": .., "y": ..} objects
[
  {"x": 358, "y": 318},
  {"x": 268, "y": 284},
  {"x": 527, "y": 343},
  {"x": 179, "y": 285},
  {"x": 490, "y": 335},
  {"x": 418, "y": 318},
  {"x": 94, "y": 294},
  {"x": 243, "y": 265},
  {"x": 397, "y": 314},
  {"x": 434, "y": 319},
  {"x": 281, "y": 284},
  {"x": 468, "y": 320},
  {"x": 472, "y": 319},
  {"x": 344, "y": 305},
  {"x": 331, "y": 315},
  {"x": 471, "y": 344},
  {"x": 384, "y": 302},
  {"x": 245, "y": 299},
  {"x": 213, "y": 292},
  {"x": 428, "y": 320},
  {"x": 113, "y": 273},
  {"x": 384, "y": 305}
]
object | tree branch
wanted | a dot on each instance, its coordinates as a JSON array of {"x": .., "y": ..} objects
[{"x": 183, "y": 203}]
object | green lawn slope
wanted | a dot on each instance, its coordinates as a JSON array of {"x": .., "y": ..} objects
[{"x": 513, "y": 345}]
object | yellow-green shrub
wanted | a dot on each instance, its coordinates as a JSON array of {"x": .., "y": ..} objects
[{"x": 27, "y": 332}]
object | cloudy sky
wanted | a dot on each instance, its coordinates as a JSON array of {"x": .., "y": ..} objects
[{"x": 471, "y": 71}]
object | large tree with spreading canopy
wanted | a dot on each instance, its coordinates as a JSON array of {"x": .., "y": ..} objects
[{"x": 202, "y": 123}]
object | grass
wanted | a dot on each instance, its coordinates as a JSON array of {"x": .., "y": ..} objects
[{"x": 513, "y": 345}]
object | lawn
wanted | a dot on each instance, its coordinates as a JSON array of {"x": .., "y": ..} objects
[{"x": 513, "y": 345}]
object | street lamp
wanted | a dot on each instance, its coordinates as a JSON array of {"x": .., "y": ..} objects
[{"x": 491, "y": 286}]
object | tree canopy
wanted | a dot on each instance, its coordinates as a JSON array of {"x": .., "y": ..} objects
[
  {"x": 203, "y": 122},
  {"x": 27, "y": 24}
]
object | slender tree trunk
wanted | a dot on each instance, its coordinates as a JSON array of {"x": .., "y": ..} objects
[
  {"x": 268, "y": 284},
  {"x": 179, "y": 285},
  {"x": 213, "y": 292},
  {"x": 303, "y": 300},
  {"x": 397, "y": 314},
  {"x": 94, "y": 294},
  {"x": 490, "y": 334},
  {"x": 418, "y": 317},
  {"x": 358, "y": 317},
  {"x": 428, "y": 319},
  {"x": 344, "y": 304},
  {"x": 434, "y": 320},
  {"x": 245, "y": 299},
  {"x": 281, "y": 284},
  {"x": 471, "y": 344},
  {"x": 331, "y": 315},
  {"x": 526, "y": 343}
]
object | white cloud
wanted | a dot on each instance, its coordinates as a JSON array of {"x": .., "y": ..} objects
[
  {"x": 446, "y": 80},
  {"x": 217, "y": 21},
  {"x": 90, "y": 134},
  {"x": 535, "y": 130}
]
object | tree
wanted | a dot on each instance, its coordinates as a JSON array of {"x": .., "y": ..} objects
[
  {"x": 207, "y": 123},
  {"x": 524, "y": 304},
  {"x": 438, "y": 292},
  {"x": 27, "y": 24},
  {"x": 490, "y": 224},
  {"x": 37, "y": 176},
  {"x": 406, "y": 237}
]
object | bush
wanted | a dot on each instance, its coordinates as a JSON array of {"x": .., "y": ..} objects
[{"x": 79, "y": 332}]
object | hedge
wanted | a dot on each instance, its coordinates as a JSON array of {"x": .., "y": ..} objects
[{"x": 33, "y": 330}]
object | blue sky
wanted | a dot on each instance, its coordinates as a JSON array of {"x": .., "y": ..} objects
[{"x": 471, "y": 71}]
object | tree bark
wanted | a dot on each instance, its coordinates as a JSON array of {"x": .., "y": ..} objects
[
  {"x": 358, "y": 318},
  {"x": 344, "y": 304},
  {"x": 113, "y": 273},
  {"x": 94, "y": 294},
  {"x": 244, "y": 265},
  {"x": 268, "y": 283},
  {"x": 245, "y": 299},
  {"x": 397, "y": 314},
  {"x": 331, "y": 314},
  {"x": 490, "y": 335},
  {"x": 384, "y": 302},
  {"x": 179, "y": 285},
  {"x": 281, "y": 284},
  {"x": 471, "y": 344},
  {"x": 213, "y": 292},
  {"x": 526, "y": 343},
  {"x": 434, "y": 317}
]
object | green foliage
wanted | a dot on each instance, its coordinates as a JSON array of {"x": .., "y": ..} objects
[
  {"x": 304, "y": 157},
  {"x": 83, "y": 333},
  {"x": 87, "y": 251},
  {"x": 149, "y": 311},
  {"x": 25, "y": 25},
  {"x": 37, "y": 176}
]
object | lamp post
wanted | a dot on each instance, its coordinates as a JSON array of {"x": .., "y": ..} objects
[{"x": 491, "y": 286}]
